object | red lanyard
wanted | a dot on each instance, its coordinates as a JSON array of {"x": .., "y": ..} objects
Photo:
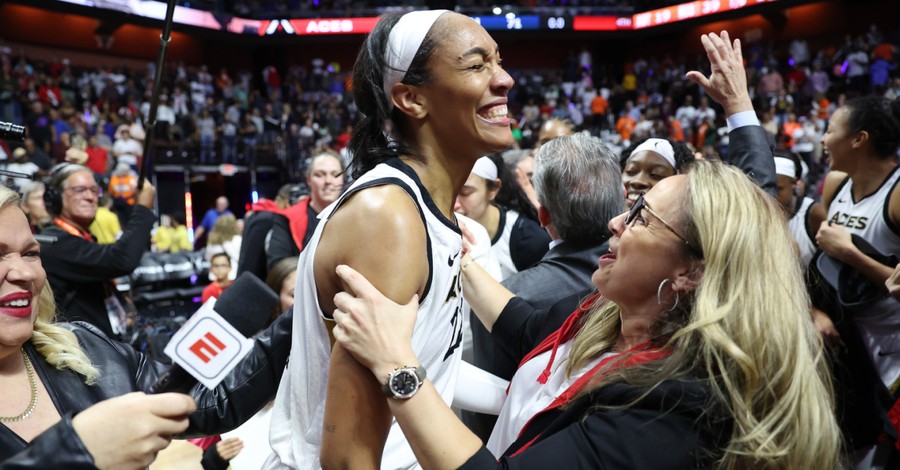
[{"x": 73, "y": 230}]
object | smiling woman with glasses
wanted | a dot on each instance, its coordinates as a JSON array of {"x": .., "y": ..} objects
[{"x": 635, "y": 214}]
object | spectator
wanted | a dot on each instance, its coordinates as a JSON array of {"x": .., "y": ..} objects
[
  {"x": 219, "y": 270},
  {"x": 97, "y": 157},
  {"x": 32, "y": 205},
  {"x": 210, "y": 217},
  {"x": 291, "y": 233},
  {"x": 225, "y": 238},
  {"x": 172, "y": 236},
  {"x": 126, "y": 149},
  {"x": 105, "y": 227}
]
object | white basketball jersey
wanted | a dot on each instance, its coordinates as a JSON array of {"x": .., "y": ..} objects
[
  {"x": 879, "y": 324},
  {"x": 500, "y": 243},
  {"x": 798, "y": 227},
  {"x": 298, "y": 414}
]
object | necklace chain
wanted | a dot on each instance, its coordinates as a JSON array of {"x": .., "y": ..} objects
[{"x": 29, "y": 369}]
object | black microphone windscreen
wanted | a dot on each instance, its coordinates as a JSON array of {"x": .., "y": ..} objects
[{"x": 247, "y": 304}]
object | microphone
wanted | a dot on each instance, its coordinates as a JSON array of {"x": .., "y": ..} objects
[
  {"x": 10, "y": 131},
  {"x": 214, "y": 339}
]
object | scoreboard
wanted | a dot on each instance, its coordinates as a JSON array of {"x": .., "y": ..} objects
[
  {"x": 513, "y": 22},
  {"x": 362, "y": 25}
]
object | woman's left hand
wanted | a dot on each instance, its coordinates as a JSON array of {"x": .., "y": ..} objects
[
  {"x": 376, "y": 330},
  {"x": 835, "y": 241}
]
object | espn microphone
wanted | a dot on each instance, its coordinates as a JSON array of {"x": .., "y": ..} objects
[
  {"x": 10, "y": 131},
  {"x": 213, "y": 340}
]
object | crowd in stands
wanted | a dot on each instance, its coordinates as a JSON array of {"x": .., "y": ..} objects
[{"x": 96, "y": 116}]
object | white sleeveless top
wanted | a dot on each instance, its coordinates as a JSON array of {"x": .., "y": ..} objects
[
  {"x": 798, "y": 228},
  {"x": 298, "y": 413},
  {"x": 500, "y": 245},
  {"x": 879, "y": 324},
  {"x": 528, "y": 397}
]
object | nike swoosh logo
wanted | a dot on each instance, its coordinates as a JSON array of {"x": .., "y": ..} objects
[
  {"x": 842, "y": 200},
  {"x": 450, "y": 260},
  {"x": 889, "y": 353}
]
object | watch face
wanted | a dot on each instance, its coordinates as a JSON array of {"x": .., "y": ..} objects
[{"x": 404, "y": 384}]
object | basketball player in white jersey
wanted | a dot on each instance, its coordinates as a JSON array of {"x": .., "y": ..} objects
[
  {"x": 861, "y": 198},
  {"x": 434, "y": 97},
  {"x": 803, "y": 213}
]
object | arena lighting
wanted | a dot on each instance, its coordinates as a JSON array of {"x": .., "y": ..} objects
[
  {"x": 496, "y": 10},
  {"x": 189, "y": 214},
  {"x": 689, "y": 10}
]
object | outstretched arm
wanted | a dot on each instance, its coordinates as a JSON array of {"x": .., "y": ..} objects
[{"x": 486, "y": 296}]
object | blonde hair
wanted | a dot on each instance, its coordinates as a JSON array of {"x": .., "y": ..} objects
[
  {"x": 746, "y": 331},
  {"x": 58, "y": 345},
  {"x": 223, "y": 230}
]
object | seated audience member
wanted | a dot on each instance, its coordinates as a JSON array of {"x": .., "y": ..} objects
[
  {"x": 701, "y": 344},
  {"x": 68, "y": 386},
  {"x": 291, "y": 233},
  {"x": 105, "y": 227},
  {"x": 80, "y": 270},
  {"x": 172, "y": 236},
  {"x": 33, "y": 205},
  {"x": 219, "y": 268},
  {"x": 225, "y": 237},
  {"x": 517, "y": 242}
]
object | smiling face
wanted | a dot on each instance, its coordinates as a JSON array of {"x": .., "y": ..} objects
[
  {"x": 645, "y": 252},
  {"x": 23, "y": 278},
  {"x": 837, "y": 141},
  {"x": 474, "y": 198},
  {"x": 79, "y": 196},
  {"x": 324, "y": 181},
  {"x": 642, "y": 171},
  {"x": 466, "y": 97}
]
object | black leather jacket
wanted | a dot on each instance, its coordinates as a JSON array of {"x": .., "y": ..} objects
[{"x": 241, "y": 394}]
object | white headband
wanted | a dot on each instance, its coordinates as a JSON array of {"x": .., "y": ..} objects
[
  {"x": 786, "y": 167},
  {"x": 662, "y": 147},
  {"x": 404, "y": 41},
  {"x": 485, "y": 168}
]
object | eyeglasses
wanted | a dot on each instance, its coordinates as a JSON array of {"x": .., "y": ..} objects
[
  {"x": 640, "y": 204},
  {"x": 81, "y": 190}
]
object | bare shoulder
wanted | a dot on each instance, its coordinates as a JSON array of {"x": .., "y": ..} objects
[
  {"x": 380, "y": 233},
  {"x": 832, "y": 181}
]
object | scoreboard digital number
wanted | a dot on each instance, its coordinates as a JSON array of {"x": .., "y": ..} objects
[{"x": 509, "y": 22}]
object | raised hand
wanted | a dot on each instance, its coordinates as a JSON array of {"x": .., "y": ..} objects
[{"x": 727, "y": 82}]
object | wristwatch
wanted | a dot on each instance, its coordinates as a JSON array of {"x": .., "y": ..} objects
[{"x": 404, "y": 382}]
